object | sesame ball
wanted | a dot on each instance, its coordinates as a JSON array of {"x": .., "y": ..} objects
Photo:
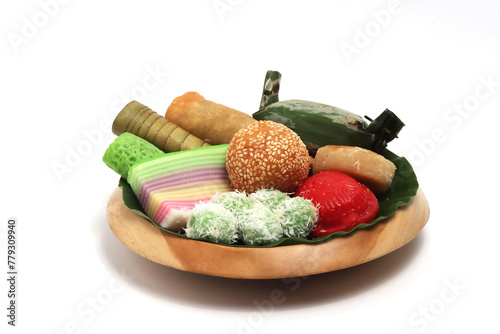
[{"x": 267, "y": 155}]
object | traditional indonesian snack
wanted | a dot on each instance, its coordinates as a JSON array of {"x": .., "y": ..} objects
[
  {"x": 126, "y": 150},
  {"x": 368, "y": 167},
  {"x": 212, "y": 222},
  {"x": 234, "y": 201},
  {"x": 260, "y": 226},
  {"x": 297, "y": 216},
  {"x": 169, "y": 186},
  {"x": 147, "y": 124},
  {"x": 343, "y": 202},
  {"x": 271, "y": 198},
  {"x": 213, "y": 122},
  {"x": 296, "y": 169},
  {"x": 272, "y": 217},
  {"x": 319, "y": 124},
  {"x": 267, "y": 155}
]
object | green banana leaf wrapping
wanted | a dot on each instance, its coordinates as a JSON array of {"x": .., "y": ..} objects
[{"x": 403, "y": 188}]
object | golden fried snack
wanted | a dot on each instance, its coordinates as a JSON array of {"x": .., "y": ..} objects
[
  {"x": 213, "y": 122},
  {"x": 367, "y": 167},
  {"x": 267, "y": 155}
]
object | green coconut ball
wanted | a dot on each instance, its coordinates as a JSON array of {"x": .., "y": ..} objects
[
  {"x": 212, "y": 222},
  {"x": 297, "y": 216},
  {"x": 271, "y": 198},
  {"x": 234, "y": 201},
  {"x": 259, "y": 226}
]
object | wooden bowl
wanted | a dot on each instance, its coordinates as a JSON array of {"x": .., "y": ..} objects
[{"x": 353, "y": 249}]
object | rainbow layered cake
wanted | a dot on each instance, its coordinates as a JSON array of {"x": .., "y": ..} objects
[{"x": 169, "y": 186}]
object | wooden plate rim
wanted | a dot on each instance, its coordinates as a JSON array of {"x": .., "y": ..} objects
[{"x": 206, "y": 258}]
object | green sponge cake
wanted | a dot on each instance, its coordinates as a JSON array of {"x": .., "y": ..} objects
[{"x": 126, "y": 150}]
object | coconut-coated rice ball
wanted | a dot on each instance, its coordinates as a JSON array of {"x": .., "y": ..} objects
[{"x": 212, "y": 222}]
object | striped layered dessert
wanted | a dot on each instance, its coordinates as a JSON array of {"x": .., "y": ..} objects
[{"x": 169, "y": 186}]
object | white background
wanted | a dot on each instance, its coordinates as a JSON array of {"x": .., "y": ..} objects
[{"x": 68, "y": 67}]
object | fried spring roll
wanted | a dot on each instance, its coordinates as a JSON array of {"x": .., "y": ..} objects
[{"x": 214, "y": 123}]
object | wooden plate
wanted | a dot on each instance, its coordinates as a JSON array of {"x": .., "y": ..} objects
[{"x": 353, "y": 249}]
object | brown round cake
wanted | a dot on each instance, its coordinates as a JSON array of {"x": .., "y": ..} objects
[{"x": 267, "y": 155}]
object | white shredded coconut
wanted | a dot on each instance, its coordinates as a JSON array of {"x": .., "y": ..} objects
[
  {"x": 259, "y": 225},
  {"x": 298, "y": 216},
  {"x": 263, "y": 217},
  {"x": 212, "y": 222}
]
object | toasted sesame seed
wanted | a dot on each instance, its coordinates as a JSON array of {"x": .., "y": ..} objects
[{"x": 267, "y": 154}]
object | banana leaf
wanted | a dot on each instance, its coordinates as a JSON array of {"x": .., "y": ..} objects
[{"x": 401, "y": 191}]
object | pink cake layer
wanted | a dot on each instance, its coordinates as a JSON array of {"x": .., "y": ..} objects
[
  {"x": 166, "y": 206},
  {"x": 180, "y": 179}
]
